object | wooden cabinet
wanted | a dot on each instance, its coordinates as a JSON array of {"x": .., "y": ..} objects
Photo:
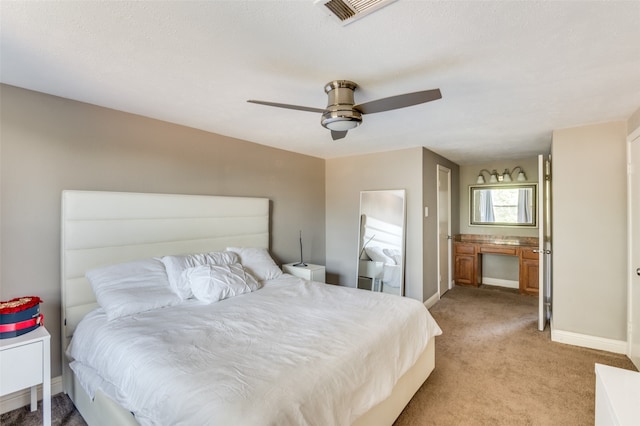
[
  {"x": 528, "y": 271},
  {"x": 466, "y": 268},
  {"x": 467, "y": 259}
]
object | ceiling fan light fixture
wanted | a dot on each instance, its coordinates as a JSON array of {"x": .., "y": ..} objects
[
  {"x": 341, "y": 123},
  {"x": 340, "y": 114}
]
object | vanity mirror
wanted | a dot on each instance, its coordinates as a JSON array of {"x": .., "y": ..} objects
[
  {"x": 503, "y": 205},
  {"x": 381, "y": 241}
]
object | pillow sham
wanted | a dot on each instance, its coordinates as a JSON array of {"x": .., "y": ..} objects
[
  {"x": 176, "y": 265},
  {"x": 212, "y": 283},
  {"x": 258, "y": 262},
  {"x": 132, "y": 287},
  {"x": 393, "y": 254},
  {"x": 377, "y": 255}
]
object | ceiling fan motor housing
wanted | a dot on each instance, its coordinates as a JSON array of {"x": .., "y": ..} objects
[{"x": 340, "y": 114}]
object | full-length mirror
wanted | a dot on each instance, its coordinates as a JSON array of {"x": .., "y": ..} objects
[
  {"x": 503, "y": 205},
  {"x": 381, "y": 243}
]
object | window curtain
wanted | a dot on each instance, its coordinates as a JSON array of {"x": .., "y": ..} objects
[
  {"x": 486, "y": 207},
  {"x": 524, "y": 206}
]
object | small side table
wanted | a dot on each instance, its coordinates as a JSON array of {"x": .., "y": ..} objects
[
  {"x": 617, "y": 393},
  {"x": 370, "y": 270},
  {"x": 25, "y": 363},
  {"x": 310, "y": 272}
]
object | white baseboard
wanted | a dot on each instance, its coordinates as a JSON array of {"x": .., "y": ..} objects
[
  {"x": 432, "y": 300},
  {"x": 586, "y": 341},
  {"x": 22, "y": 398},
  {"x": 500, "y": 282}
]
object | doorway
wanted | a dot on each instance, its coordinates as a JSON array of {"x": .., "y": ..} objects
[
  {"x": 633, "y": 290},
  {"x": 444, "y": 230}
]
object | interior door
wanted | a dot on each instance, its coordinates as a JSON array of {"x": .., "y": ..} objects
[
  {"x": 634, "y": 249},
  {"x": 544, "y": 241},
  {"x": 444, "y": 229}
]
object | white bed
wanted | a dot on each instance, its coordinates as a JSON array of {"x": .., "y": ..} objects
[{"x": 102, "y": 228}]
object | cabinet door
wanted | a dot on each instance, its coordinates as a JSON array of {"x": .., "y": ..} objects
[
  {"x": 465, "y": 271},
  {"x": 529, "y": 276}
]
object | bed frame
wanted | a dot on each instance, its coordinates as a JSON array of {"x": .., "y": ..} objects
[{"x": 103, "y": 228}]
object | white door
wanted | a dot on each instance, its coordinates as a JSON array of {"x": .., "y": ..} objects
[
  {"x": 544, "y": 241},
  {"x": 633, "y": 327},
  {"x": 444, "y": 229}
]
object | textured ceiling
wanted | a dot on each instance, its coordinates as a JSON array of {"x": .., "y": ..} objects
[{"x": 510, "y": 71}]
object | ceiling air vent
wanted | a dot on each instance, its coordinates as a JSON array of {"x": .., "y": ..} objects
[{"x": 347, "y": 11}]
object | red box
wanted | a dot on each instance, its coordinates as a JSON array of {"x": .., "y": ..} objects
[{"x": 19, "y": 316}]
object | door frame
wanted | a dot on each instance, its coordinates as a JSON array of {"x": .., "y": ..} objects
[
  {"x": 545, "y": 240},
  {"x": 441, "y": 168},
  {"x": 632, "y": 138}
]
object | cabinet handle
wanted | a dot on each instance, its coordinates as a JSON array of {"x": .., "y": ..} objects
[{"x": 638, "y": 271}]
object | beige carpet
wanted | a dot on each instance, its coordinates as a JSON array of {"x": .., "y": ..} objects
[{"x": 494, "y": 368}]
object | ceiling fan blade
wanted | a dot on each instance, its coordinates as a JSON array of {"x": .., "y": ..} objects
[
  {"x": 335, "y": 134},
  {"x": 297, "y": 107},
  {"x": 399, "y": 101}
]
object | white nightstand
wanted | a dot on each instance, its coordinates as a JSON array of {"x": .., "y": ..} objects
[
  {"x": 370, "y": 275},
  {"x": 310, "y": 272},
  {"x": 25, "y": 363},
  {"x": 617, "y": 393}
]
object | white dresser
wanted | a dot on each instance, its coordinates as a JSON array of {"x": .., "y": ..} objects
[
  {"x": 617, "y": 396},
  {"x": 310, "y": 272},
  {"x": 25, "y": 363}
]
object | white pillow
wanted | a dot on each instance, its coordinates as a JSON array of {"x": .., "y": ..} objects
[
  {"x": 393, "y": 254},
  {"x": 377, "y": 255},
  {"x": 129, "y": 288},
  {"x": 258, "y": 262},
  {"x": 176, "y": 265},
  {"x": 211, "y": 283}
]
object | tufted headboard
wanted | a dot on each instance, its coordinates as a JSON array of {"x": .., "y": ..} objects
[{"x": 103, "y": 228}]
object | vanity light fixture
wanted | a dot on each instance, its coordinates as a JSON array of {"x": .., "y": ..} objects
[
  {"x": 493, "y": 176},
  {"x": 506, "y": 175}
]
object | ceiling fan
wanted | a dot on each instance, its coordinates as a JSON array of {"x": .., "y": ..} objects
[{"x": 342, "y": 114}]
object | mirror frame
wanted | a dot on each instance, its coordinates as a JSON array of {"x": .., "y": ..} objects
[
  {"x": 534, "y": 208},
  {"x": 403, "y": 236}
]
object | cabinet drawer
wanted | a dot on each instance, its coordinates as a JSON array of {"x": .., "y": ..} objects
[
  {"x": 461, "y": 248},
  {"x": 527, "y": 253},
  {"x": 509, "y": 251},
  {"x": 20, "y": 367}
]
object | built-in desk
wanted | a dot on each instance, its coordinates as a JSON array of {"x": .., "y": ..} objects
[{"x": 469, "y": 248}]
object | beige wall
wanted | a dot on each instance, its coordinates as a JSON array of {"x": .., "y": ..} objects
[
  {"x": 468, "y": 176},
  {"x": 589, "y": 230},
  {"x": 496, "y": 269},
  {"x": 430, "y": 162},
  {"x": 408, "y": 169},
  {"x": 633, "y": 123},
  {"x": 49, "y": 144},
  {"x": 345, "y": 178}
]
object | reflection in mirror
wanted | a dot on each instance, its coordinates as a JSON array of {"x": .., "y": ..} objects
[
  {"x": 503, "y": 205},
  {"x": 381, "y": 243}
]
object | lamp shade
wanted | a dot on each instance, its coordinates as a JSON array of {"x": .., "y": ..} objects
[{"x": 341, "y": 124}]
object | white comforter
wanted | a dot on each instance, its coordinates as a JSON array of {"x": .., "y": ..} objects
[{"x": 292, "y": 353}]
